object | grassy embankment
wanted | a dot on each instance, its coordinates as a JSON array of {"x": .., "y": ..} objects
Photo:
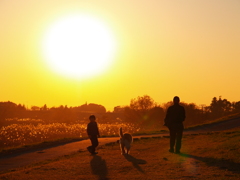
[{"x": 215, "y": 121}]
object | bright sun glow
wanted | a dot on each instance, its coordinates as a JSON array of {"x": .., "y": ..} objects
[{"x": 79, "y": 46}]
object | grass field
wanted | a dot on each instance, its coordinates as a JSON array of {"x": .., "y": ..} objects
[
  {"x": 204, "y": 156},
  {"x": 18, "y": 135}
]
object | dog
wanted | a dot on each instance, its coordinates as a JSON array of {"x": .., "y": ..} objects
[{"x": 125, "y": 141}]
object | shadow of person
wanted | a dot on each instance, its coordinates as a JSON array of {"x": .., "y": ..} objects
[
  {"x": 135, "y": 162},
  {"x": 99, "y": 167},
  {"x": 223, "y": 164}
]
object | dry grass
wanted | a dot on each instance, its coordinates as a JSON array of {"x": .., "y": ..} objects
[
  {"x": 210, "y": 156},
  {"x": 16, "y": 135}
]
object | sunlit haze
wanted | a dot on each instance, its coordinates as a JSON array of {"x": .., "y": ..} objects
[
  {"x": 107, "y": 52},
  {"x": 79, "y": 45}
]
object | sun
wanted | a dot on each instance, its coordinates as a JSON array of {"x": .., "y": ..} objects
[{"x": 79, "y": 46}]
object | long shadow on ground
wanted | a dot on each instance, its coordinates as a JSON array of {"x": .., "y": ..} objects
[
  {"x": 34, "y": 148},
  {"x": 220, "y": 163},
  {"x": 135, "y": 162},
  {"x": 99, "y": 167}
]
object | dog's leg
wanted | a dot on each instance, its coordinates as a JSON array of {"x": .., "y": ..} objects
[
  {"x": 128, "y": 151},
  {"x": 122, "y": 148}
]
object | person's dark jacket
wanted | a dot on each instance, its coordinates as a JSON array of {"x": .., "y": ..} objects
[
  {"x": 175, "y": 115},
  {"x": 92, "y": 129}
]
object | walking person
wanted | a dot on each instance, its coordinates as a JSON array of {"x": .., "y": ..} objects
[
  {"x": 174, "y": 121},
  {"x": 93, "y": 134}
]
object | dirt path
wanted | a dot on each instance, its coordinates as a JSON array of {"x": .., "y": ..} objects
[{"x": 10, "y": 162}]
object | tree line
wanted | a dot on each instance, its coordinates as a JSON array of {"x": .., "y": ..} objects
[
  {"x": 142, "y": 110},
  {"x": 16, "y": 113},
  {"x": 145, "y": 111}
]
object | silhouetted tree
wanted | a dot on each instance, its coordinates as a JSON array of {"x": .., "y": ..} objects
[
  {"x": 91, "y": 108},
  {"x": 35, "y": 108},
  {"x": 144, "y": 111},
  {"x": 194, "y": 114},
  {"x": 10, "y": 110},
  {"x": 219, "y": 107},
  {"x": 236, "y": 107},
  {"x": 142, "y": 103},
  {"x": 44, "y": 108},
  {"x": 118, "y": 109}
]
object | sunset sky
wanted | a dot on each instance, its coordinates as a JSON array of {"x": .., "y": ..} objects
[{"x": 189, "y": 48}]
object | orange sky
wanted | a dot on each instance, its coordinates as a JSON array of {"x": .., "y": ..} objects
[{"x": 187, "y": 48}]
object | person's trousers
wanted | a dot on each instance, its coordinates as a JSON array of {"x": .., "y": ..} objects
[
  {"x": 94, "y": 141},
  {"x": 176, "y": 131}
]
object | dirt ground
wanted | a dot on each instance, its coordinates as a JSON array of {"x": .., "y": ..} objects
[{"x": 203, "y": 156}]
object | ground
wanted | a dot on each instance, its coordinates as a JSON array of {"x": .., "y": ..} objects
[{"x": 203, "y": 156}]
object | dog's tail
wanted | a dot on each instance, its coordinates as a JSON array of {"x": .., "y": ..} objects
[{"x": 120, "y": 132}]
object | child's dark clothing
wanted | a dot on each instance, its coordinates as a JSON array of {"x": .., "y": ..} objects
[{"x": 92, "y": 131}]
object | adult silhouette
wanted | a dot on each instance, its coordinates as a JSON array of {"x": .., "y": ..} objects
[{"x": 174, "y": 121}]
